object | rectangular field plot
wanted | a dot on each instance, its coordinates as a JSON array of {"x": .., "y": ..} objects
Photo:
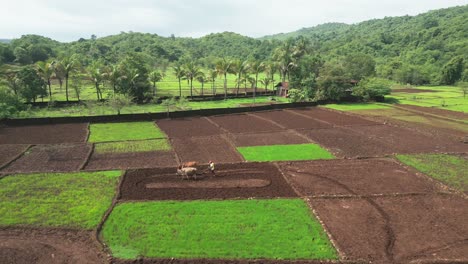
[
  {"x": 239, "y": 229},
  {"x": 9, "y": 152},
  {"x": 334, "y": 118},
  {"x": 50, "y": 158},
  {"x": 70, "y": 200},
  {"x": 152, "y": 159},
  {"x": 241, "y": 180},
  {"x": 355, "y": 177},
  {"x": 285, "y": 152},
  {"x": 346, "y": 143},
  {"x": 241, "y": 123},
  {"x": 124, "y": 131},
  {"x": 204, "y": 149},
  {"x": 268, "y": 138},
  {"x": 418, "y": 228},
  {"x": 437, "y": 112},
  {"x": 292, "y": 121},
  {"x": 188, "y": 127},
  {"x": 132, "y": 146},
  {"x": 44, "y": 134}
]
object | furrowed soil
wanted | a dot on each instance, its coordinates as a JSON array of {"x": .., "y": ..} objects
[
  {"x": 203, "y": 149},
  {"x": 437, "y": 111},
  {"x": 50, "y": 158},
  {"x": 188, "y": 127},
  {"x": 241, "y": 123},
  {"x": 398, "y": 229},
  {"x": 131, "y": 160},
  {"x": 355, "y": 177},
  {"x": 48, "y": 246},
  {"x": 44, "y": 134},
  {"x": 334, "y": 118},
  {"x": 269, "y": 138},
  {"x": 9, "y": 152},
  {"x": 292, "y": 121},
  {"x": 263, "y": 180}
]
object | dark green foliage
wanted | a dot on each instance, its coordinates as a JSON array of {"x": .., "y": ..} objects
[
  {"x": 452, "y": 71},
  {"x": 358, "y": 66},
  {"x": 372, "y": 88},
  {"x": 10, "y": 104},
  {"x": 31, "y": 84}
]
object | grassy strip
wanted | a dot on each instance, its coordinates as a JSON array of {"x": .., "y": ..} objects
[
  {"x": 449, "y": 169},
  {"x": 132, "y": 146},
  {"x": 240, "y": 229},
  {"x": 285, "y": 152},
  {"x": 73, "y": 200},
  {"x": 124, "y": 131},
  {"x": 356, "y": 106}
]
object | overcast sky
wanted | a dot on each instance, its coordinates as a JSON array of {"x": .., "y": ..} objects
[{"x": 66, "y": 20}]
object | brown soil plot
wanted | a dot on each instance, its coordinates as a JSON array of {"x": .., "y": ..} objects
[
  {"x": 241, "y": 123},
  {"x": 44, "y": 134},
  {"x": 50, "y": 158},
  {"x": 204, "y": 149},
  {"x": 48, "y": 246},
  {"x": 355, "y": 177},
  {"x": 9, "y": 152},
  {"x": 188, "y": 127},
  {"x": 241, "y": 180},
  {"x": 269, "y": 138},
  {"x": 437, "y": 111},
  {"x": 334, "y": 118},
  {"x": 131, "y": 160},
  {"x": 292, "y": 121}
]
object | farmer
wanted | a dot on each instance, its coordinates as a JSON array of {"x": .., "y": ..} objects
[{"x": 211, "y": 167}]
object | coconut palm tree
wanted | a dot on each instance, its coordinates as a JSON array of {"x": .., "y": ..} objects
[
  {"x": 266, "y": 81},
  {"x": 113, "y": 75},
  {"x": 154, "y": 77},
  {"x": 191, "y": 71},
  {"x": 96, "y": 74},
  {"x": 179, "y": 73},
  {"x": 270, "y": 71},
  {"x": 223, "y": 67},
  {"x": 256, "y": 68},
  {"x": 59, "y": 72},
  {"x": 201, "y": 77},
  {"x": 240, "y": 68},
  {"x": 212, "y": 75},
  {"x": 46, "y": 71},
  {"x": 69, "y": 64}
]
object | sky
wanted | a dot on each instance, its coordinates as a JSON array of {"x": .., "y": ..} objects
[{"x": 66, "y": 20}]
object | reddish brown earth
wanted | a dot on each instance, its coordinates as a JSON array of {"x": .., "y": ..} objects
[
  {"x": 355, "y": 177},
  {"x": 437, "y": 111},
  {"x": 188, "y": 127},
  {"x": 135, "y": 183},
  {"x": 48, "y": 246},
  {"x": 397, "y": 229},
  {"x": 241, "y": 123},
  {"x": 44, "y": 134},
  {"x": 50, "y": 158},
  {"x": 332, "y": 117},
  {"x": 292, "y": 121},
  {"x": 131, "y": 160},
  {"x": 203, "y": 149},
  {"x": 10, "y": 152},
  {"x": 268, "y": 138},
  {"x": 408, "y": 141},
  {"x": 347, "y": 143}
]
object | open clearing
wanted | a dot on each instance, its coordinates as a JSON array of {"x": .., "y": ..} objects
[
  {"x": 124, "y": 131},
  {"x": 285, "y": 152},
  {"x": 132, "y": 146}
]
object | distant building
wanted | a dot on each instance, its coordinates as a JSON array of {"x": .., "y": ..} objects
[{"x": 282, "y": 89}]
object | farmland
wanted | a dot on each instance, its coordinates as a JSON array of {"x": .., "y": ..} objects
[{"x": 349, "y": 184}]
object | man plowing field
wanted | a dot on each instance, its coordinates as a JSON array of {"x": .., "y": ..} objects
[{"x": 188, "y": 170}]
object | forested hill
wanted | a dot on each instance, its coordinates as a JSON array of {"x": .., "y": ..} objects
[{"x": 327, "y": 29}]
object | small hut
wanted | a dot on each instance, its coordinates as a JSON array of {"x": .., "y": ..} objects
[{"x": 282, "y": 89}]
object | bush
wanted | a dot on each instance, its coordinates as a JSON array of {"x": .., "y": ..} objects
[
  {"x": 372, "y": 89},
  {"x": 10, "y": 105}
]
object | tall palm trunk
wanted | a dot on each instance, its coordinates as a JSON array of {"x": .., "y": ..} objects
[
  {"x": 50, "y": 90},
  {"x": 191, "y": 88},
  {"x": 66, "y": 87},
  {"x": 225, "y": 86},
  {"x": 180, "y": 89}
]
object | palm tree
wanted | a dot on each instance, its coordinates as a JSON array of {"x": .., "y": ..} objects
[
  {"x": 154, "y": 77},
  {"x": 284, "y": 56},
  {"x": 96, "y": 76},
  {"x": 46, "y": 70},
  {"x": 113, "y": 75},
  {"x": 69, "y": 65},
  {"x": 223, "y": 67},
  {"x": 212, "y": 78},
  {"x": 191, "y": 71},
  {"x": 266, "y": 81},
  {"x": 240, "y": 68},
  {"x": 59, "y": 71},
  {"x": 179, "y": 73},
  {"x": 256, "y": 68},
  {"x": 270, "y": 71},
  {"x": 201, "y": 77}
]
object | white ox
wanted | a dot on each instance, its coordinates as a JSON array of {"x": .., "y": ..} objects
[{"x": 187, "y": 173}]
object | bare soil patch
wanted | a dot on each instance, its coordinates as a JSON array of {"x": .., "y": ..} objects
[
  {"x": 292, "y": 121},
  {"x": 334, "y": 118},
  {"x": 400, "y": 229},
  {"x": 136, "y": 182},
  {"x": 188, "y": 127},
  {"x": 204, "y": 149},
  {"x": 9, "y": 152},
  {"x": 241, "y": 123},
  {"x": 355, "y": 177},
  {"x": 349, "y": 144},
  {"x": 44, "y": 134},
  {"x": 437, "y": 111},
  {"x": 408, "y": 141},
  {"x": 47, "y": 246},
  {"x": 131, "y": 160},
  {"x": 269, "y": 138},
  {"x": 51, "y": 158},
  {"x": 410, "y": 90}
]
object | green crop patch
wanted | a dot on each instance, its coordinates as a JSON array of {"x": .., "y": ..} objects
[
  {"x": 356, "y": 106},
  {"x": 230, "y": 229},
  {"x": 132, "y": 146},
  {"x": 285, "y": 152},
  {"x": 124, "y": 131},
  {"x": 72, "y": 200},
  {"x": 449, "y": 169}
]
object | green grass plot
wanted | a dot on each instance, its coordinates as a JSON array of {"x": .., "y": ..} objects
[
  {"x": 231, "y": 229},
  {"x": 285, "y": 152},
  {"x": 124, "y": 131},
  {"x": 356, "y": 106},
  {"x": 72, "y": 200},
  {"x": 132, "y": 146}
]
